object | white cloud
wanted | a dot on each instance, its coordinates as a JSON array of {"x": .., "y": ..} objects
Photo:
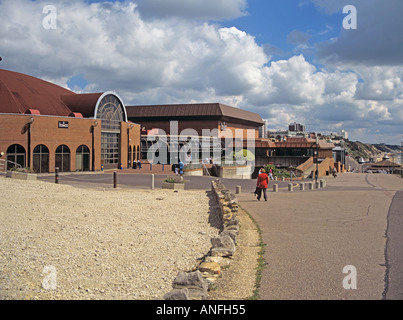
[{"x": 193, "y": 9}]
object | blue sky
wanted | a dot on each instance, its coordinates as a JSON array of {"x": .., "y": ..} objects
[
  {"x": 271, "y": 22},
  {"x": 288, "y": 60}
]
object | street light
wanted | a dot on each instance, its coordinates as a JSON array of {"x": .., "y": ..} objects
[
  {"x": 93, "y": 143},
  {"x": 29, "y": 124},
  {"x": 401, "y": 160},
  {"x": 317, "y": 158}
]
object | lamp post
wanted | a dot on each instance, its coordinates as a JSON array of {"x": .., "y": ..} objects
[
  {"x": 93, "y": 143},
  {"x": 317, "y": 158},
  {"x": 31, "y": 120}
]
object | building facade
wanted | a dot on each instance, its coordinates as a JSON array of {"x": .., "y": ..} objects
[
  {"x": 207, "y": 130},
  {"x": 44, "y": 126}
]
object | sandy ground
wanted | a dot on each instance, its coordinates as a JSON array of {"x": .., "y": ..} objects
[{"x": 62, "y": 242}]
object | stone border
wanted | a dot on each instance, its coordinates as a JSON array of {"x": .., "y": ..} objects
[{"x": 195, "y": 285}]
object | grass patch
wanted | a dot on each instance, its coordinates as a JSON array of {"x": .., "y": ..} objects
[{"x": 261, "y": 263}]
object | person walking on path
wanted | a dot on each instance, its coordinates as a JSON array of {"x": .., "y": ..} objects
[
  {"x": 262, "y": 184},
  {"x": 271, "y": 173},
  {"x": 334, "y": 171}
]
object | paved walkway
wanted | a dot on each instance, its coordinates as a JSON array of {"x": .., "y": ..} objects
[
  {"x": 135, "y": 179},
  {"x": 312, "y": 235}
]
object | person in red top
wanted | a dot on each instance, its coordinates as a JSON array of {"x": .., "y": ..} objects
[{"x": 262, "y": 184}]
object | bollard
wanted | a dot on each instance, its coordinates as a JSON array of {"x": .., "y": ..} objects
[
  {"x": 163, "y": 167},
  {"x": 317, "y": 184},
  {"x": 275, "y": 178},
  {"x": 115, "y": 179},
  {"x": 275, "y": 187},
  {"x": 302, "y": 186},
  {"x": 238, "y": 190},
  {"x": 322, "y": 183},
  {"x": 151, "y": 167},
  {"x": 56, "y": 175},
  {"x": 152, "y": 182},
  {"x": 310, "y": 185},
  {"x": 290, "y": 187},
  {"x": 282, "y": 179}
]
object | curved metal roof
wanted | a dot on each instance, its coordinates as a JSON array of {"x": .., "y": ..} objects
[{"x": 20, "y": 92}]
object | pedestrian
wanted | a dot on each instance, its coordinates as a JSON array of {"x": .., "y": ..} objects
[
  {"x": 262, "y": 184},
  {"x": 181, "y": 166},
  {"x": 271, "y": 173},
  {"x": 139, "y": 164},
  {"x": 334, "y": 173}
]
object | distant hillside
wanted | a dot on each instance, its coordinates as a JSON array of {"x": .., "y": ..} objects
[{"x": 367, "y": 151}]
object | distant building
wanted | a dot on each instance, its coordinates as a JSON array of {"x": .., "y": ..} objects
[
  {"x": 296, "y": 127},
  {"x": 342, "y": 135},
  {"x": 294, "y": 130},
  {"x": 263, "y": 130}
]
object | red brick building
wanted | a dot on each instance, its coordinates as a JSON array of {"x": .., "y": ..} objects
[{"x": 44, "y": 126}]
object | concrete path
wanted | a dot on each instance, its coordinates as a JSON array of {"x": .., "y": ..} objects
[
  {"x": 134, "y": 179},
  {"x": 311, "y": 236}
]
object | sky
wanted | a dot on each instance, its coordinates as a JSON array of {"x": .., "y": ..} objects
[{"x": 305, "y": 61}]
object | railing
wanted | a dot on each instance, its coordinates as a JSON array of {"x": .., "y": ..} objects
[
  {"x": 3, "y": 165},
  {"x": 193, "y": 166},
  {"x": 206, "y": 170}
]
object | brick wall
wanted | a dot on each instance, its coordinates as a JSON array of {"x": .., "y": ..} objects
[{"x": 45, "y": 130}]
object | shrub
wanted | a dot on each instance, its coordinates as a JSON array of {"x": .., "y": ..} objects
[{"x": 174, "y": 180}]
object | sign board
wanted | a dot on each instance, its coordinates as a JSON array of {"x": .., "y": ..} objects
[{"x": 63, "y": 124}]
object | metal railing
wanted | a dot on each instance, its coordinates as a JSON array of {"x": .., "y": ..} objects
[{"x": 3, "y": 165}]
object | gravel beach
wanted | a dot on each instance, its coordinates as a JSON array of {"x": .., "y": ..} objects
[{"x": 62, "y": 242}]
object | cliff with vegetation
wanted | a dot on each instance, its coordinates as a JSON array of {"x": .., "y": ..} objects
[{"x": 367, "y": 151}]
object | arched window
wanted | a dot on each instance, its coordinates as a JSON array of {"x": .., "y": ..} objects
[
  {"x": 111, "y": 111},
  {"x": 83, "y": 158},
  {"x": 16, "y": 156},
  {"x": 41, "y": 159},
  {"x": 62, "y": 159}
]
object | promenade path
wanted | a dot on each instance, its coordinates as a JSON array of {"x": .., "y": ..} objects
[{"x": 311, "y": 236}]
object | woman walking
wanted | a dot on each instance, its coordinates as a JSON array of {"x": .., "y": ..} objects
[{"x": 262, "y": 184}]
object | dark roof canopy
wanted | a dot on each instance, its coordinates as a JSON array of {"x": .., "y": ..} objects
[
  {"x": 385, "y": 164},
  {"x": 201, "y": 110}
]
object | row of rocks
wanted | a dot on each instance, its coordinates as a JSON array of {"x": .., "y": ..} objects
[{"x": 195, "y": 285}]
